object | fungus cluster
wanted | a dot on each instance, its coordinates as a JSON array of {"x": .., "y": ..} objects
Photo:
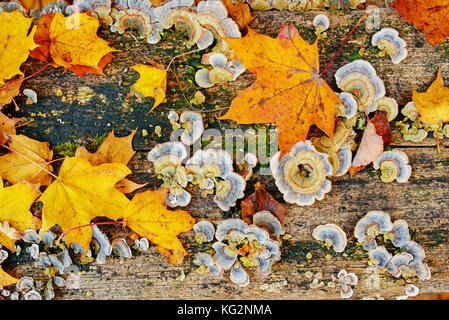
[
  {"x": 222, "y": 70},
  {"x": 345, "y": 281},
  {"x": 239, "y": 248},
  {"x": 389, "y": 42},
  {"x": 408, "y": 262},
  {"x": 393, "y": 165},
  {"x": 302, "y": 5}
]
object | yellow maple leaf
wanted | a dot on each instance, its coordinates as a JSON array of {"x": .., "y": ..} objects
[
  {"x": 18, "y": 165},
  {"x": 15, "y": 207},
  {"x": 6, "y": 279},
  {"x": 10, "y": 90},
  {"x": 433, "y": 105},
  {"x": 74, "y": 41},
  {"x": 151, "y": 83},
  {"x": 7, "y": 126},
  {"x": 16, "y": 42},
  {"x": 148, "y": 216},
  {"x": 81, "y": 193}
]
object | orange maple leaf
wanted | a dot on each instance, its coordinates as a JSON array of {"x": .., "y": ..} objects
[
  {"x": 148, "y": 216},
  {"x": 288, "y": 91},
  {"x": 427, "y": 15},
  {"x": 239, "y": 12}
]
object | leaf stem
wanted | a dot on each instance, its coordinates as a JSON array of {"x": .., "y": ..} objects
[
  {"x": 180, "y": 55},
  {"x": 21, "y": 80},
  {"x": 344, "y": 41}
]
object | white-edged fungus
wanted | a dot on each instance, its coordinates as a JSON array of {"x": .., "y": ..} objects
[
  {"x": 3, "y": 256},
  {"x": 389, "y": 106},
  {"x": 410, "y": 111},
  {"x": 49, "y": 238},
  {"x": 167, "y": 156},
  {"x": 301, "y": 174},
  {"x": 332, "y": 235},
  {"x": 341, "y": 161},
  {"x": 229, "y": 190},
  {"x": 360, "y": 78},
  {"x": 346, "y": 280},
  {"x": 32, "y": 295},
  {"x": 142, "y": 244},
  {"x": 24, "y": 284},
  {"x": 33, "y": 250},
  {"x": 388, "y": 40},
  {"x": 222, "y": 70},
  {"x": 178, "y": 197},
  {"x": 207, "y": 264},
  {"x": 397, "y": 262},
  {"x": 394, "y": 166},
  {"x": 321, "y": 22},
  {"x": 226, "y": 226},
  {"x": 380, "y": 256},
  {"x": 43, "y": 261},
  {"x": 238, "y": 275},
  {"x": 349, "y": 107},
  {"x": 400, "y": 234},
  {"x": 266, "y": 220},
  {"x": 31, "y": 94},
  {"x": 122, "y": 248},
  {"x": 204, "y": 231},
  {"x": 193, "y": 127},
  {"x": 411, "y": 290},
  {"x": 225, "y": 257},
  {"x": 209, "y": 163},
  {"x": 104, "y": 247},
  {"x": 370, "y": 226},
  {"x": 30, "y": 236}
]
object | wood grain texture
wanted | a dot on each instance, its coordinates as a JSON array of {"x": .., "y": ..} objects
[{"x": 423, "y": 202}]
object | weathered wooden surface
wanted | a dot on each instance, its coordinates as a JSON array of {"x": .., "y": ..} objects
[{"x": 423, "y": 202}]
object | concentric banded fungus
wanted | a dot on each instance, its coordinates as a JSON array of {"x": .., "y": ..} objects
[
  {"x": 122, "y": 248},
  {"x": 224, "y": 255},
  {"x": 138, "y": 15},
  {"x": 414, "y": 134},
  {"x": 360, "y": 78},
  {"x": 178, "y": 197},
  {"x": 208, "y": 163},
  {"x": 399, "y": 235},
  {"x": 266, "y": 220},
  {"x": 349, "y": 107},
  {"x": 238, "y": 275},
  {"x": 389, "y": 106},
  {"x": 204, "y": 231},
  {"x": 301, "y": 174},
  {"x": 104, "y": 247},
  {"x": 229, "y": 190},
  {"x": 226, "y": 226},
  {"x": 333, "y": 236},
  {"x": 345, "y": 280},
  {"x": 193, "y": 127},
  {"x": 393, "y": 165},
  {"x": 380, "y": 256},
  {"x": 222, "y": 70},
  {"x": 341, "y": 161},
  {"x": 370, "y": 226},
  {"x": 207, "y": 264},
  {"x": 25, "y": 283},
  {"x": 321, "y": 23},
  {"x": 410, "y": 111},
  {"x": 390, "y": 43},
  {"x": 100, "y": 8},
  {"x": 397, "y": 262}
]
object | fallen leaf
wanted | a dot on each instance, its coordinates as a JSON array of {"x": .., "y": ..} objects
[
  {"x": 16, "y": 202},
  {"x": 42, "y": 38},
  {"x": 261, "y": 200},
  {"x": 34, "y": 4},
  {"x": 16, "y": 166},
  {"x": 239, "y": 12},
  {"x": 6, "y": 279},
  {"x": 427, "y": 15},
  {"x": 7, "y": 126},
  {"x": 376, "y": 137},
  {"x": 10, "y": 90},
  {"x": 288, "y": 91},
  {"x": 148, "y": 216},
  {"x": 17, "y": 42},
  {"x": 151, "y": 83},
  {"x": 74, "y": 44},
  {"x": 433, "y": 105},
  {"x": 81, "y": 193}
]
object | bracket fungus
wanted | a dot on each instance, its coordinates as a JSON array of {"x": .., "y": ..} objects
[
  {"x": 389, "y": 106},
  {"x": 397, "y": 262},
  {"x": 321, "y": 22},
  {"x": 102, "y": 245},
  {"x": 266, "y": 220},
  {"x": 388, "y": 40},
  {"x": 380, "y": 256},
  {"x": 370, "y": 226},
  {"x": 301, "y": 174},
  {"x": 360, "y": 78},
  {"x": 349, "y": 107},
  {"x": 332, "y": 235},
  {"x": 192, "y": 122},
  {"x": 207, "y": 264},
  {"x": 394, "y": 166},
  {"x": 121, "y": 247},
  {"x": 229, "y": 190},
  {"x": 410, "y": 111},
  {"x": 238, "y": 275},
  {"x": 400, "y": 234},
  {"x": 222, "y": 70},
  {"x": 346, "y": 280},
  {"x": 204, "y": 231}
]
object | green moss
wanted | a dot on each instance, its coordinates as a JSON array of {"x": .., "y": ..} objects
[{"x": 66, "y": 149}]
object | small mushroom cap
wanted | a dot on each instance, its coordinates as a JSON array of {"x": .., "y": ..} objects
[
  {"x": 301, "y": 174},
  {"x": 30, "y": 236},
  {"x": 224, "y": 227},
  {"x": 415, "y": 135},
  {"x": 142, "y": 244},
  {"x": 411, "y": 290},
  {"x": 321, "y": 22},
  {"x": 360, "y": 78},
  {"x": 388, "y": 40},
  {"x": 410, "y": 111},
  {"x": 177, "y": 197},
  {"x": 377, "y": 219},
  {"x": 122, "y": 248},
  {"x": 229, "y": 190},
  {"x": 210, "y": 163},
  {"x": 204, "y": 259},
  {"x": 194, "y": 129},
  {"x": 49, "y": 238},
  {"x": 265, "y": 219},
  {"x": 333, "y": 233},
  {"x": 422, "y": 271},
  {"x": 206, "y": 229},
  {"x": 30, "y": 94},
  {"x": 225, "y": 257},
  {"x": 173, "y": 116},
  {"x": 202, "y": 78},
  {"x": 238, "y": 275},
  {"x": 346, "y": 292},
  {"x": 254, "y": 232},
  {"x": 381, "y": 255},
  {"x": 394, "y": 165},
  {"x": 212, "y": 7},
  {"x": 389, "y": 106},
  {"x": 168, "y": 153},
  {"x": 400, "y": 232},
  {"x": 349, "y": 107}
]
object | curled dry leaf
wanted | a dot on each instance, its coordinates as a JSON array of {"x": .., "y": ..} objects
[
  {"x": 151, "y": 83},
  {"x": 148, "y": 216},
  {"x": 376, "y": 137},
  {"x": 16, "y": 202},
  {"x": 18, "y": 165},
  {"x": 17, "y": 41},
  {"x": 261, "y": 200},
  {"x": 81, "y": 193},
  {"x": 288, "y": 92}
]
